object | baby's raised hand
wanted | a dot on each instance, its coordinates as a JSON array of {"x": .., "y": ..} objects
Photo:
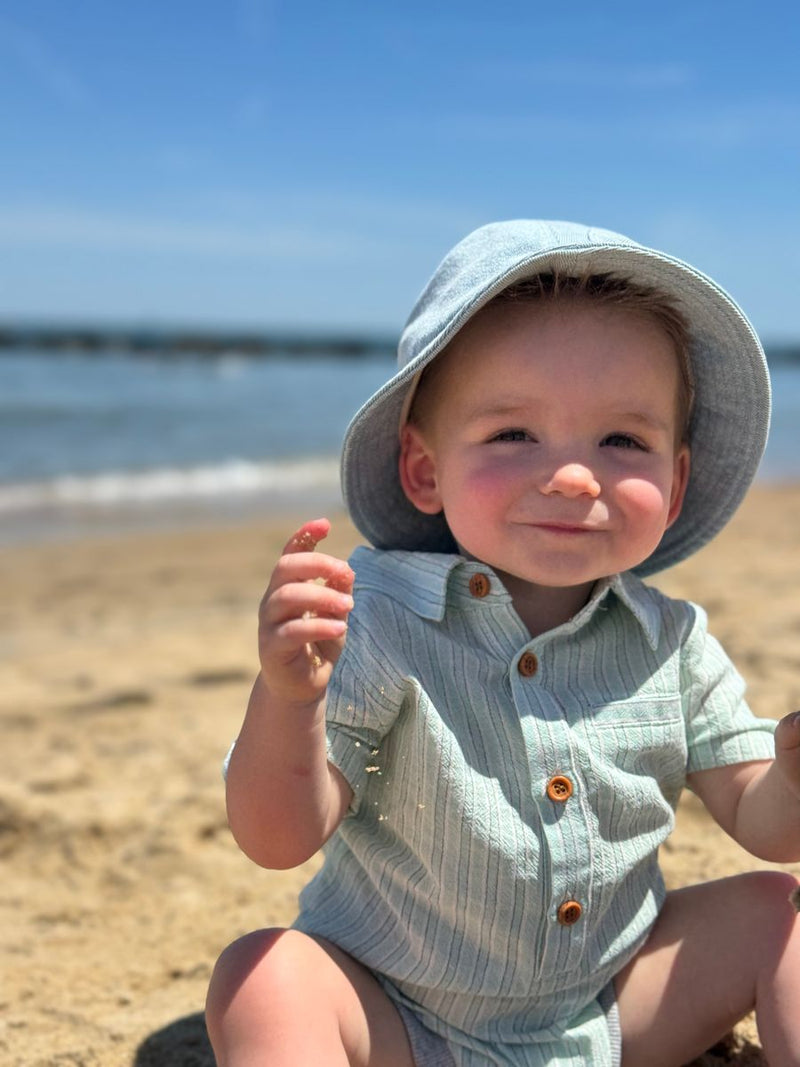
[
  {"x": 787, "y": 750},
  {"x": 303, "y": 617}
]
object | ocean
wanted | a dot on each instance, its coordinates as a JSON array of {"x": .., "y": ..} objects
[{"x": 97, "y": 442}]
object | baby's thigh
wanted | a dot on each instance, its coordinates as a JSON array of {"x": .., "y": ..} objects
[
  {"x": 711, "y": 949},
  {"x": 285, "y": 997}
]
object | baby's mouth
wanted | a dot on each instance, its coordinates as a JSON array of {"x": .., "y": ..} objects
[{"x": 559, "y": 526}]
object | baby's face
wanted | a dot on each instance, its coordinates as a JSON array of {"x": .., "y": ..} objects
[{"x": 549, "y": 439}]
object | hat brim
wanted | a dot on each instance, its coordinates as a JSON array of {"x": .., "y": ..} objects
[{"x": 730, "y": 420}]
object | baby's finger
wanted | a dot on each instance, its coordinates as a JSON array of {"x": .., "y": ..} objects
[
  {"x": 310, "y": 630},
  {"x": 297, "y": 599},
  {"x": 307, "y": 537},
  {"x": 314, "y": 568},
  {"x": 342, "y": 579},
  {"x": 300, "y": 645},
  {"x": 331, "y": 648}
]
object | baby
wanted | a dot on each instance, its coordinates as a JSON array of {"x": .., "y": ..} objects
[{"x": 494, "y": 756}]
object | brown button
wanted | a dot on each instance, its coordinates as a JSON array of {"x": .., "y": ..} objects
[
  {"x": 559, "y": 788},
  {"x": 569, "y": 912},
  {"x": 528, "y": 664},
  {"x": 479, "y": 585}
]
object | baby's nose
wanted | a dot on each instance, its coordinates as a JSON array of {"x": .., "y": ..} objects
[{"x": 573, "y": 479}]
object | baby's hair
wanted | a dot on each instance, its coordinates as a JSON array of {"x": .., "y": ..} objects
[{"x": 605, "y": 290}]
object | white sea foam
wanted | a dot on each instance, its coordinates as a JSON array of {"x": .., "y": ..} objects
[{"x": 239, "y": 478}]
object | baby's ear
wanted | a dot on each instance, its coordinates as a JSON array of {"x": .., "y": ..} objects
[
  {"x": 417, "y": 470},
  {"x": 680, "y": 481}
]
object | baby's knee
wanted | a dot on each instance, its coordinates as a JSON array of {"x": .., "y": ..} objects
[
  {"x": 244, "y": 974},
  {"x": 772, "y": 887},
  {"x": 773, "y": 896}
]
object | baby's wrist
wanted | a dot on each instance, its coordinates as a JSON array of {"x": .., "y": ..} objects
[{"x": 293, "y": 704}]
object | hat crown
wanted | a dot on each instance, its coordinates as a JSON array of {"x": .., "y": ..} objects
[{"x": 497, "y": 254}]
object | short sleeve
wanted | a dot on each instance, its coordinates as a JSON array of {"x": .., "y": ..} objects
[
  {"x": 364, "y": 698},
  {"x": 721, "y": 729}
]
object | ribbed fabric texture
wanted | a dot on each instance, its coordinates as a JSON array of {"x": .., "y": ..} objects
[{"x": 447, "y": 876}]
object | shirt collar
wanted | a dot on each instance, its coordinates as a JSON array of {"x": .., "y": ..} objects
[
  {"x": 422, "y": 581},
  {"x": 638, "y": 598},
  {"x": 418, "y": 580}
]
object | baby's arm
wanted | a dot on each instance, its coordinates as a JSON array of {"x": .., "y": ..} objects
[
  {"x": 284, "y": 799},
  {"x": 758, "y": 803}
]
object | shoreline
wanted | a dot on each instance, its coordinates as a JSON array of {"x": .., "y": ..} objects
[
  {"x": 64, "y": 523},
  {"x": 126, "y": 659}
]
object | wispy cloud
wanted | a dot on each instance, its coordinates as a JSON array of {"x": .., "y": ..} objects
[
  {"x": 737, "y": 125},
  {"x": 734, "y": 126},
  {"x": 42, "y": 64},
  {"x": 83, "y": 228}
]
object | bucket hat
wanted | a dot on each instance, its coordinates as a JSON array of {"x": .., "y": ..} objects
[{"x": 730, "y": 419}]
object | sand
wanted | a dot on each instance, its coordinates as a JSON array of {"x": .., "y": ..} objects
[{"x": 125, "y": 664}]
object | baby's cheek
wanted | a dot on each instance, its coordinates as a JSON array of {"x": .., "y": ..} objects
[
  {"x": 475, "y": 486},
  {"x": 646, "y": 502},
  {"x": 500, "y": 480},
  {"x": 471, "y": 506}
]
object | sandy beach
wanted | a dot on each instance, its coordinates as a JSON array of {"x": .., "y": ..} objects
[{"x": 125, "y": 664}]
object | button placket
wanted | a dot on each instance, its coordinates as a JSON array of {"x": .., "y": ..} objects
[
  {"x": 559, "y": 813},
  {"x": 556, "y": 784}
]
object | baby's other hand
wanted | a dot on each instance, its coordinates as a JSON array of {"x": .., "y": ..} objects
[
  {"x": 787, "y": 750},
  {"x": 303, "y": 617}
]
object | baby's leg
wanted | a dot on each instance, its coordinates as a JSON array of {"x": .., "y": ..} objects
[
  {"x": 717, "y": 951},
  {"x": 282, "y": 998}
]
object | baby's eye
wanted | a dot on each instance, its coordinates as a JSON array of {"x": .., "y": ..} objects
[
  {"x": 512, "y": 435},
  {"x": 622, "y": 440}
]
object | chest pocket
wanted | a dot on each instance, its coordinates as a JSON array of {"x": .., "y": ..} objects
[{"x": 634, "y": 758}]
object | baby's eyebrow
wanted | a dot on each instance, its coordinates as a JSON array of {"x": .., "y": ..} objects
[
  {"x": 512, "y": 409},
  {"x": 648, "y": 419},
  {"x": 496, "y": 409}
]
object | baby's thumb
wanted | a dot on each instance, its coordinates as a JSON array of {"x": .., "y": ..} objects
[{"x": 787, "y": 732}]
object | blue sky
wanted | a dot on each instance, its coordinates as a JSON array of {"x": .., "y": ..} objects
[{"x": 307, "y": 164}]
